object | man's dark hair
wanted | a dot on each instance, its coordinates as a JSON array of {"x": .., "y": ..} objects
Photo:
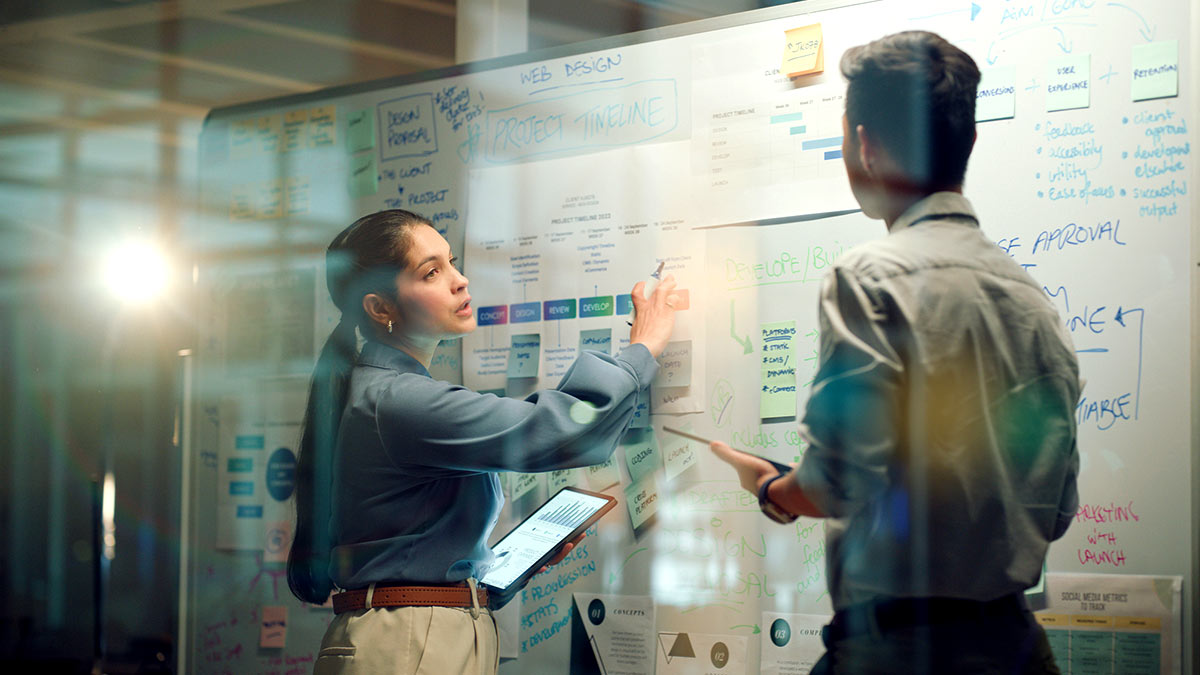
[{"x": 915, "y": 93}]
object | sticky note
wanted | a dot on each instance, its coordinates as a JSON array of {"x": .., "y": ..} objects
[
  {"x": 603, "y": 475},
  {"x": 675, "y": 365},
  {"x": 360, "y": 131},
  {"x": 562, "y": 478},
  {"x": 598, "y": 340},
  {"x": 996, "y": 97},
  {"x": 322, "y": 126},
  {"x": 270, "y": 133},
  {"x": 640, "y": 447},
  {"x": 364, "y": 176},
  {"x": 273, "y": 631},
  {"x": 524, "y": 355},
  {"x": 241, "y": 201},
  {"x": 641, "y": 498},
  {"x": 296, "y": 192},
  {"x": 295, "y": 130},
  {"x": 1155, "y": 70},
  {"x": 684, "y": 301},
  {"x": 242, "y": 136},
  {"x": 522, "y": 483},
  {"x": 778, "y": 370},
  {"x": 677, "y": 452},
  {"x": 1068, "y": 83},
  {"x": 269, "y": 200},
  {"x": 803, "y": 51}
]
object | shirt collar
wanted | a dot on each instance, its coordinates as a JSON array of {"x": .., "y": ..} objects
[
  {"x": 939, "y": 205},
  {"x": 380, "y": 355}
]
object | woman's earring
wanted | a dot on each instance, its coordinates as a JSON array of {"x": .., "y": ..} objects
[{"x": 389, "y": 326}]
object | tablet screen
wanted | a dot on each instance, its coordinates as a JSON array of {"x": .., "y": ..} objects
[{"x": 547, "y": 529}]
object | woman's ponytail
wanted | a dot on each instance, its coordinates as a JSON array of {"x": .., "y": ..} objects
[
  {"x": 308, "y": 561},
  {"x": 363, "y": 258}
]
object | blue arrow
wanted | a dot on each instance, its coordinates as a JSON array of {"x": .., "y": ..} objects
[
  {"x": 991, "y": 59},
  {"x": 1062, "y": 37},
  {"x": 1146, "y": 31},
  {"x": 975, "y": 10},
  {"x": 1120, "y": 317}
]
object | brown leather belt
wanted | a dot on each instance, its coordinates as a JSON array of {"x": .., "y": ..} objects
[{"x": 408, "y": 596}]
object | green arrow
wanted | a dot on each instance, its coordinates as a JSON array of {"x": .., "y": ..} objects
[
  {"x": 756, "y": 630},
  {"x": 612, "y": 576},
  {"x": 745, "y": 342}
]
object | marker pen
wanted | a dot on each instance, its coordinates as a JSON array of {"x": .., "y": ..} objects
[{"x": 651, "y": 283}]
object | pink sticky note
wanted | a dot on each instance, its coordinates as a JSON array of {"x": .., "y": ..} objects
[{"x": 274, "y": 627}]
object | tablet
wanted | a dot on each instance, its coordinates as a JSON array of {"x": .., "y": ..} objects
[{"x": 523, "y": 551}]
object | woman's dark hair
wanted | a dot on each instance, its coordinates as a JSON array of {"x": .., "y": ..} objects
[
  {"x": 915, "y": 92},
  {"x": 364, "y": 258}
]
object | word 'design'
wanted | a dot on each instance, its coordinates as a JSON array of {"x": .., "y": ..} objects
[{"x": 407, "y": 127}]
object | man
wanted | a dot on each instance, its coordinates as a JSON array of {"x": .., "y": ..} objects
[{"x": 940, "y": 426}]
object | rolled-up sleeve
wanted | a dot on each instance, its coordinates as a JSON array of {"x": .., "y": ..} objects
[
  {"x": 851, "y": 417},
  {"x": 433, "y": 424}
]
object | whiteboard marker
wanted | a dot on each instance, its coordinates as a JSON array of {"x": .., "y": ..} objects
[{"x": 651, "y": 283}]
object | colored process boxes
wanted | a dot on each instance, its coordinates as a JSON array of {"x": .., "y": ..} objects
[{"x": 556, "y": 310}]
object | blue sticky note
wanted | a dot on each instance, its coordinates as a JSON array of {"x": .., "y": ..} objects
[
  {"x": 598, "y": 340},
  {"x": 524, "y": 355}
]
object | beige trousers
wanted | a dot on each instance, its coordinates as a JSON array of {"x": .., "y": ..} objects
[{"x": 409, "y": 641}]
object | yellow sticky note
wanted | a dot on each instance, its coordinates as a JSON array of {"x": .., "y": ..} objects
[{"x": 803, "y": 51}]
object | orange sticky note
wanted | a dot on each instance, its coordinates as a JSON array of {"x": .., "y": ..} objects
[
  {"x": 803, "y": 51},
  {"x": 274, "y": 627}
]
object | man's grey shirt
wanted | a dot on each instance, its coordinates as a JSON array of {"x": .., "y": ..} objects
[{"x": 941, "y": 421}]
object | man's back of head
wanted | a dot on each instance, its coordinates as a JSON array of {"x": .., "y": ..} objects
[{"x": 914, "y": 93}]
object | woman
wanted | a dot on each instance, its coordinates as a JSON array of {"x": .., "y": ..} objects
[{"x": 396, "y": 484}]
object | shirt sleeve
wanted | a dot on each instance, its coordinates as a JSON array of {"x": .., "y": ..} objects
[
  {"x": 442, "y": 426},
  {"x": 1069, "y": 503},
  {"x": 851, "y": 417}
]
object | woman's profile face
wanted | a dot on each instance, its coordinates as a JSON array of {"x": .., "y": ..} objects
[{"x": 432, "y": 293}]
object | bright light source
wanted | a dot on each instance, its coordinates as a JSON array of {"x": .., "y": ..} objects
[{"x": 136, "y": 272}]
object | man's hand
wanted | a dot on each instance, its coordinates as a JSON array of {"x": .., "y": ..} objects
[
  {"x": 562, "y": 553},
  {"x": 751, "y": 470}
]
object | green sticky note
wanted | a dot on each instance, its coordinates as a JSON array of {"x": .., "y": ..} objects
[
  {"x": 996, "y": 97},
  {"x": 360, "y": 131},
  {"x": 677, "y": 453},
  {"x": 364, "y": 176},
  {"x": 1155, "y": 70},
  {"x": 778, "y": 370},
  {"x": 641, "y": 453},
  {"x": 1069, "y": 82},
  {"x": 641, "y": 497},
  {"x": 524, "y": 355}
]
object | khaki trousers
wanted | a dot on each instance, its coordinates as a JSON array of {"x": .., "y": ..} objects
[{"x": 409, "y": 641}]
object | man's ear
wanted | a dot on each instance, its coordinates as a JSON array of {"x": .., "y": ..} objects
[
  {"x": 866, "y": 150},
  {"x": 378, "y": 309}
]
